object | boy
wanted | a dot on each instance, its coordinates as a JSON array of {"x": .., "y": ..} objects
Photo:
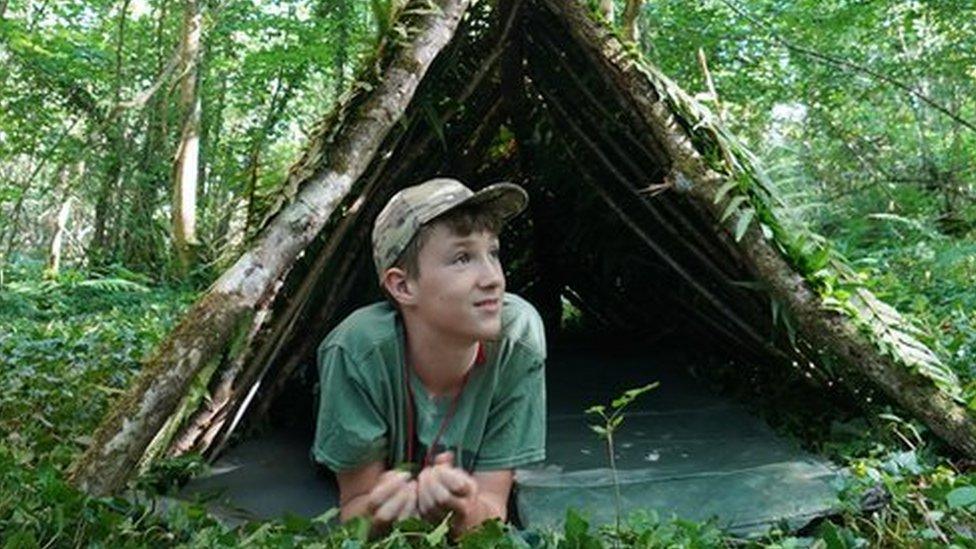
[{"x": 446, "y": 377}]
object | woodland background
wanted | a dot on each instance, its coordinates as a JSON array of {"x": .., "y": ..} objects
[{"x": 143, "y": 141}]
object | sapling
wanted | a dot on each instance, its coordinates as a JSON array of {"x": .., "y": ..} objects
[{"x": 612, "y": 421}]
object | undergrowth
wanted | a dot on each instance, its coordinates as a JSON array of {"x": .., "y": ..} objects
[{"x": 71, "y": 344}]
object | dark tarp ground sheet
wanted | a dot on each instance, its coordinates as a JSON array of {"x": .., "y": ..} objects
[{"x": 681, "y": 451}]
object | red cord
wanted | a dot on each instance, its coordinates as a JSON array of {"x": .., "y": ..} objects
[{"x": 411, "y": 434}]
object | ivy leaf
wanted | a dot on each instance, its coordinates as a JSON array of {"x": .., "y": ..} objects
[
  {"x": 964, "y": 496},
  {"x": 436, "y": 536}
]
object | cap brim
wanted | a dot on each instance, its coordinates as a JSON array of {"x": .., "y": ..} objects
[{"x": 508, "y": 199}]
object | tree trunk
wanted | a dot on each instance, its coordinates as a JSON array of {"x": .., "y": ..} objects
[
  {"x": 606, "y": 9},
  {"x": 105, "y": 236},
  {"x": 342, "y": 15},
  {"x": 276, "y": 107},
  {"x": 227, "y": 309},
  {"x": 54, "y": 257},
  {"x": 102, "y": 239},
  {"x": 186, "y": 165},
  {"x": 630, "y": 18},
  {"x": 858, "y": 355},
  {"x": 54, "y": 260},
  {"x": 143, "y": 247}
]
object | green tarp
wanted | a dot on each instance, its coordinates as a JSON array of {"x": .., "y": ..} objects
[{"x": 681, "y": 451}]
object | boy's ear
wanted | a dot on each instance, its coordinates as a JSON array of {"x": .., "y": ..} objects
[{"x": 399, "y": 286}]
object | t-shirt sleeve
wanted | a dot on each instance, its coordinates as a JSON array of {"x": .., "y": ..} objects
[
  {"x": 350, "y": 430},
  {"x": 515, "y": 434}
]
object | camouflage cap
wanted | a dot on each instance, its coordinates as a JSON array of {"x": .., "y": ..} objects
[{"x": 410, "y": 208}]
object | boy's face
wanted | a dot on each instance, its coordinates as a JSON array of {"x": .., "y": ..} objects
[{"x": 460, "y": 285}]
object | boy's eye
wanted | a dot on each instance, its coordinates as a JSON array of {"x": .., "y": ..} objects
[
  {"x": 461, "y": 258},
  {"x": 495, "y": 252}
]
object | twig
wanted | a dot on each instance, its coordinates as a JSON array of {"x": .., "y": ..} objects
[{"x": 712, "y": 93}]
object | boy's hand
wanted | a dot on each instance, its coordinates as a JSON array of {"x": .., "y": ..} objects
[
  {"x": 393, "y": 498},
  {"x": 442, "y": 488}
]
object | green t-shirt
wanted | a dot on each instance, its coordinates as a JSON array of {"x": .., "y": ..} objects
[{"x": 500, "y": 417}]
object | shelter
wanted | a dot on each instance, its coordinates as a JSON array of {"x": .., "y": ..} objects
[{"x": 645, "y": 215}]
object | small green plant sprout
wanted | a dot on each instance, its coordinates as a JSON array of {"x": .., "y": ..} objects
[{"x": 612, "y": 420}]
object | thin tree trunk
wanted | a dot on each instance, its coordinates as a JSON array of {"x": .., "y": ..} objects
[
  {"x": 143, "y": 248},
  {"x": 341, "y": 59},
  {"x": 630, "y": 18},
  {"x": 606, "y": 8},
  {"x": 216, "y": 202},
  {"x": 186, "y": 166},
  {"x": 104, "y": 240},
  {"x": 101, "y": 239},
  {"x": 3, "y": 9},
  {"x": 54, "y": 260},
  {"x": 238, "y": 298},
  {"x": 279, "y": 99},
  {"x": 64, "y": 212}
]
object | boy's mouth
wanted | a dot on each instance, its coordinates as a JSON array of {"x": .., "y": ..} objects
[{"x": 489, "y": 304}]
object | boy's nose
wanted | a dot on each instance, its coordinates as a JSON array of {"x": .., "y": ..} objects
[{"x": 492, "y": 274}]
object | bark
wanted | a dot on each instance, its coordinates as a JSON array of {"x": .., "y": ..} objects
[
  {"x": 206, "y": 332},
  {"x": 631, "y": 16},
  {"x": 838, "y": 334},
  {"x": 186, "y": 165}
]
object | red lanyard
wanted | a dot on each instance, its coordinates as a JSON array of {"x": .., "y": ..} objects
[{"x": 411, "y": 428}]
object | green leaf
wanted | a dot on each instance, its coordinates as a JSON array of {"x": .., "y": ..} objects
[
  {"x": 576, "y": 529},
  {"x": 743, "y": 223},
  {"x": 964, "y": 496},
  {"x": 596, "y": 409},
  {"x": 436, "y": 536},
  {"x": 327, "y": 516},
  {"x": 733, "y": 205},
  {"x": 724, "y": 190},
  {"x": 599, "y": 429},
  {"x": 491, "y": 533},
  {"x": 819, "y": 259},
  {"x": 832, "y": 537}
]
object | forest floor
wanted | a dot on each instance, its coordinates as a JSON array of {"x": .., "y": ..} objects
[{"x": 69, "y": 345}]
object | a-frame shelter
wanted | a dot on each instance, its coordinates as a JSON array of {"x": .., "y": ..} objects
[{"x": 645, "y": 214}]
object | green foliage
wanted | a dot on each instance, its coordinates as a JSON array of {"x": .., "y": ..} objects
[
  {"x": 69, "y": 74},
  {"x": 885, "y": 176}
]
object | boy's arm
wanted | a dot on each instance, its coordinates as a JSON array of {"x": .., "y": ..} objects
[
  {"x": 381, "y": 496},
  {"x": 493, "y": 490}
]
